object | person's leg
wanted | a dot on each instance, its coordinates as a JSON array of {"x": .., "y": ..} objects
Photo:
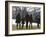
[
  {"x": 22, "y": 26},
  {"x": 31, "y": 24},
  {"x": 26, "y": 25},
  {"x": 38, "y": 25},
  {"x": 17, "y": 26}
]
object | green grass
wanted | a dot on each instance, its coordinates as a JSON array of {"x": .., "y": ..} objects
[{"x": 24, "y": 28}]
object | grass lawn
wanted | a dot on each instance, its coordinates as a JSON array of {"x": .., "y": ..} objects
[{"x": 24, "y": 27}]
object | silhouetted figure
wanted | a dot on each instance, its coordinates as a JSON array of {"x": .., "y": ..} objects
[
  {"x": 22, "y": 22},
  {"x": 27, "y": 19},
  {"x": 38, "y": 21},
  {"x": 30, "y": 20},
  {"x": 18, "y": 19}
]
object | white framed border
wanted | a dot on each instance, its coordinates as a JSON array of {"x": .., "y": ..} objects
[{"x": 10, "y": 4}]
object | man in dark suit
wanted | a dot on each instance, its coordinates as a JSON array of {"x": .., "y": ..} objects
[
  {"x": 38, "y": 21},
  {"x": 30, "y": 19},
  {"x": 18, "y": 19},
  {"x": 27, "y": 19}
]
